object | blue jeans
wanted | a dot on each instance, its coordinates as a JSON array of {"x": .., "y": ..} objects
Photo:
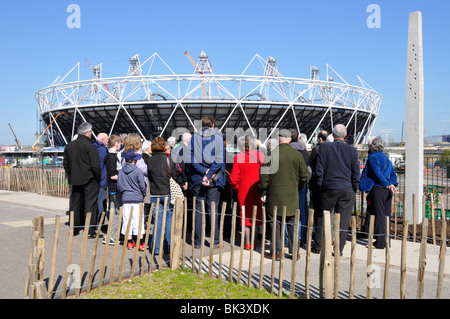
[
  {"x": 302, "y": 203},
  {"x": 158, "y": 224}
]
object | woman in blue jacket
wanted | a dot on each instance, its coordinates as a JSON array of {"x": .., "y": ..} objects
[{"x": 380, "y": 180}]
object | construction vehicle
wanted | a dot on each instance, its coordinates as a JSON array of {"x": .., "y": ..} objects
[{"x": 17, "y": 140}]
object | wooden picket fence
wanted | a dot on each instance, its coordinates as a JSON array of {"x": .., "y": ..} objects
[
  {"x": 201, "y": 261},
  {"x": 51, "y": 182},
  {"x": 54, "y": 182}
]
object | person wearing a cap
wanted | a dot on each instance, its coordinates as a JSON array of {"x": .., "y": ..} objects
[
  {"x": 283, "y": 173},
  {"x": 132, "y": 187}
]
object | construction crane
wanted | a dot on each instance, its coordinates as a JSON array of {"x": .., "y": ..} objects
[
  {"x": 33, "y": 147},
  {"x": 98, "y": 73},
  {"x": 192, "y": 60},
  {"x": 17, "y": 140},
  {"x": 197, "y": 69}
]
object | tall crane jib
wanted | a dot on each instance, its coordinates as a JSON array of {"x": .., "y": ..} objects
[{"x": 17, "y": 140}]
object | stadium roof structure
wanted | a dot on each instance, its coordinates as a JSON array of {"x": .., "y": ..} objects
[{"x": 152, "y": 102}]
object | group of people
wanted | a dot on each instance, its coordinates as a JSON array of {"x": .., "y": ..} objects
[
  {"x": 119, "y": 171},
  {"x": 124, "y": 171}
]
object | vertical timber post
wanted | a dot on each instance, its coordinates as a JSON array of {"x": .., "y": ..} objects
[
  {"x": 35, "y": 276},
  {"x": 178, "y": 229},
  {"x": 414, "y": 116}
]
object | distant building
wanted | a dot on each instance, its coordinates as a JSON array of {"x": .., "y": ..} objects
[
  {"x": 437, "y": 139},
  {"x": 9, "y": 148},
  {"x": 433, "y": 139}
]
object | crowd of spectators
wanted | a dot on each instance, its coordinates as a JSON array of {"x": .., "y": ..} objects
[{"x": 281, "y": 175}]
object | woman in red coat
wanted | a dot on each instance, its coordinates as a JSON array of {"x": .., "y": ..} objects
[{"x": 244, "y": 179}]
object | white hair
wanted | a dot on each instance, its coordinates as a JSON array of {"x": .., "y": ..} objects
[
  {"x": 186, "y": 137},
  {"x": 84, "y": 128},
  {"x": 376, "y": 144},
  {"x": 171, "y": 140},
  {"x": 339, "y": 131},
  {"x": 243, "y": 140},
  {"x": 303, "y": 138},
  {"x": 146, "y": 145}
]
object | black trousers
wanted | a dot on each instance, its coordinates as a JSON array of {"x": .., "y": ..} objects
[
  {"x": 280, "y": 235},
  {"x": 379, "y": 202},
  {"x": 315, "y": 203},
  {"x": 208, "y": 195},
  {"x": 340, "y": 201},
  {"x": 83, "y": 200}
]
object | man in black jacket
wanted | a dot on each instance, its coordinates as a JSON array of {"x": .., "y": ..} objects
[
  {"x": 313, "y": 191},
  {"x": 82, "y": 166},
  {"x": 337, "y": 171}
]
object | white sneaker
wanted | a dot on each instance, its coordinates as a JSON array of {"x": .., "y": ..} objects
[{"x": 112, "y": 241}]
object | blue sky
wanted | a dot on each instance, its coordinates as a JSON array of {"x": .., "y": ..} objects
[{"x": 37, "y": 47}]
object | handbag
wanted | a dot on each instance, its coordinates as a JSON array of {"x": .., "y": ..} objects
[{"x": 175, "y": 188}]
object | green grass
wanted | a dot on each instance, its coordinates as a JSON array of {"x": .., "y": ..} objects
[{"x": 177, "y": 284}]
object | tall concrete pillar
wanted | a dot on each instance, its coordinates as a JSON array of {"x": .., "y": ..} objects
[{"x": 414, "y": 128}]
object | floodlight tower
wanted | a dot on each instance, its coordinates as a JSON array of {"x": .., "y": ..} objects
[
  {"x": 271, "y": 67},
  {"x": 135, "y": 70},
  {"x": 314, "y": 76},
  {"x": 314, "y": 73},
  {"x": 97, "y": 71},
  {"x": 203, "y": 65},
  {"x": 135, "y": 66},
  {"x": 97, "y": 87}
]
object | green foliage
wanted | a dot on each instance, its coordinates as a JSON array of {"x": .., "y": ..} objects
[
  {"x": 177, "y": 284},
  {"x": 445, "y": 156}
]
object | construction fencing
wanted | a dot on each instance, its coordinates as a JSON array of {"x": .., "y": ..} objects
[
  {"x": 50, "y": 182},
  {"x": 88, "y": 265}
]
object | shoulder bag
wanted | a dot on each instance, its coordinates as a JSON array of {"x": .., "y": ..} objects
[{"x": 175, "y": 188}]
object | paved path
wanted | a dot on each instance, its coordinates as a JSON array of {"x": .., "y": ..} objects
[{"x": 18, "y": 209}]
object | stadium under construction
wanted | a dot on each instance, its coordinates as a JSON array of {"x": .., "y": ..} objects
[{"x": 152, "y": 103}]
